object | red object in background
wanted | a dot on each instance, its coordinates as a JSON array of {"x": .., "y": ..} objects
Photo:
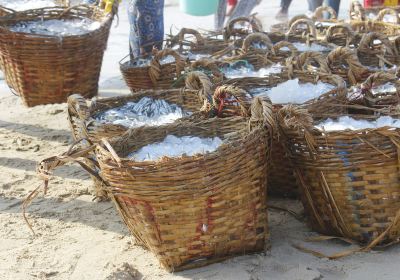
[
  {"x": 373, "y": 3},
  {"x": 232, "y": 2}
]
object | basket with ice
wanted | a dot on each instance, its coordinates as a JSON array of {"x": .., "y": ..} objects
[
  {"x": 61, "y": 49},
  {"x": 347, "y": 169}
]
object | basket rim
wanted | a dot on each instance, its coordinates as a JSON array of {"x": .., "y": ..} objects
[{"x": 103, "y": 22}]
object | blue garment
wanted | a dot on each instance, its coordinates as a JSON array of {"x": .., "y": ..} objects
[
  {"x": 334, "y": 4},
  {"x": 146, "y": 19}
]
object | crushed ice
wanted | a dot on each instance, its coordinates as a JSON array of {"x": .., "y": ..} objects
[
  {"x": 347, "y": 122},
  {"x": 146, "y": 111},
  {"x": 242, "y": 69},
  {"x": 57, "y": 27},
  {"x": 173, "y": 146},
  {"x": 292, "y": 91},
  {"x": 22, "y": 5}
]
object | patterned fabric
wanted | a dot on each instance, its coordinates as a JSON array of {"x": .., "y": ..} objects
[{"x": 146, "y": 19}]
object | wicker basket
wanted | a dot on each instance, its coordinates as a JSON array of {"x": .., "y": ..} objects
[
  {"x": 47, "y": 69},
  {"x": 195, "y": 98},
  {"x": 284, "y": 26},
  {"x": 195, "y": 210},
  {"x": 358, "y": 12},
  {"x": 156, "y": 75},
  {"x": 342, "y": 35},
  {"x": 388, "y": 29},
  {"x": 349, "y": 179},
  {"x": 321, "y": 23},
  {"x": 378, "y": 55},
  {"x": 232, "y": 99},
  {"x": 240, "y": 27}
]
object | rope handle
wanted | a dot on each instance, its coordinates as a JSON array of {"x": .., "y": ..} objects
[
  {"x": 293, "y": 19},
  {"x": 377, "y": 79},
  {"x": 261, "y": 111},
  {"x": 208, "y": 64},
  {"x": 179, "y": 39},
  {"x": 155, "y": 65},
  {"x": 340, "y": 29},
  {"x": 304, "y": 60},
  {"x": 311, "y": 29},
  {"x": 356, "y": 11},
  {"x": 200, "y": 82},
  {"x": 254, "y": 38},
  {"x": 319, "y": 13},
  {"x": 45, "y": 168},
  {"x": 234, "y": 97},
  {"x": 368, "y": 41},
  {"x": 231, "y": 30},
  {"x": 388, "y": 11},
  {"x": 7, "y": 10},
  {"x": 277, "y": 48}
]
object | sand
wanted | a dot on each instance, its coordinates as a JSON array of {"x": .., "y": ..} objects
[{"x": 78, "y": 238}]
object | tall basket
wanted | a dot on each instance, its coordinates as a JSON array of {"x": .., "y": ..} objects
[{"x": 45, "y": 69}]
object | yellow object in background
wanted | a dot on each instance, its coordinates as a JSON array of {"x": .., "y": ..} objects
[
  {"x": 107, "y": 5},
  {"x": 390, "y": 2}
]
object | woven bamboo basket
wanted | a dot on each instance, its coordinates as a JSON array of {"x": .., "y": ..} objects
[
  {"x": 47, "y": 69},
  {"x": 344, "y": 62},
  {"x": 210, "y": 67},
  {"x": 191, "y": 211},
  {"x": 389, "y": 29},
  {"x": 240, "y": 27},
  {"x": 376, "y": 50},
  {"x": 156, "y": 75},
  {"x": 233, "y": 99},
  {"x": 84, "y": 125},
  {"x": 349, "y": 180},
  {"x": 321, "y": 23}
]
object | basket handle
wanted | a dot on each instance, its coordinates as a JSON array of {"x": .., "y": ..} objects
[
  {"x": 254, "y": 38},
  {"x": 261, "y": 111},
  {"x": 276, "y": 49},
  {"x": 78, "y": 109},
  {"x": 155, "y": 66},
  {"x": 388, "y": 11},
  {"x": 228, "y": 94},
  {"x": 180, "y": 38},
  {"x": 319, "y": 13},
  {"x": 356, "y": 11},
  {"x": 367, "y": 41},
  {"x": 340, "y": 28},
  {"x": 303, "y": 62},
  {"x": 6, "y": 10},
  {"x": 211, "y": 65},
  {"x": 45, "y": 168},
  {"x": 342, "y": 54},
  {"x": 231, "y": 30},
  {"x": 199, "y": 82},
  {"x": 293, "y": 19},
  {"x": 311, "y": 29},
  {"x": 376, "y": 79}
]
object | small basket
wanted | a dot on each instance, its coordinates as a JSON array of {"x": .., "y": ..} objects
[
  {"x": 47, "y": 69},
  {"x": 207, "y": 207},
  {"x": 378, "y": 55},
  {"x": 284, "y": 27},
  {"x": 322, "y": 24},
  {"x": 156, "y": 75},
  {"x": 342, "y": 35},
  {"x": 194, "y": 98},
  {"x": 388, "y": 29},
  {"x": 349, "y": 180}
]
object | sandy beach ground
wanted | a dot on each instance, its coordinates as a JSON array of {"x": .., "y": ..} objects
[{"x": 77, "y": 238}]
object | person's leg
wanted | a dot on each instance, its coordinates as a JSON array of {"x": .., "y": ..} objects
[
  {"x": 151, "y": 25},
  {"x": 313, "y": 4},
  {"x": 335, "y": 4},
  {"x": 284, "y": 10},
  {"x": 134, "y": 48},
  {"x": 244, "y": 8},
  {"x": 219, "y": 19}
]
